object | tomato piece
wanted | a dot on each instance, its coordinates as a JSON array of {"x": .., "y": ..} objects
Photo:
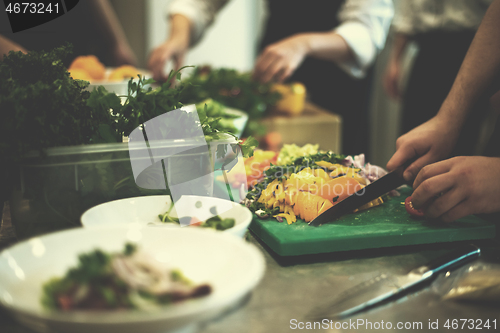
[
  {"x": 195, "y": 222},
  {"x": 411, "y": 210}
]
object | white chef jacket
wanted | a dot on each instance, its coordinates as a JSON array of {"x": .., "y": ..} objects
[{"x": 364, "y": 26}]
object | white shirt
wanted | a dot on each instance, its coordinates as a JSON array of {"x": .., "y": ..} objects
[
  {"x": 364, "y": 26},
  {"x": 420, "y": 16}
]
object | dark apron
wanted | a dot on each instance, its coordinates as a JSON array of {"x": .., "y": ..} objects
[{"x": 328, "y": 86}]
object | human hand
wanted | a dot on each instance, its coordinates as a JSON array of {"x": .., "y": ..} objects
[
  {"x": 428, "y": 143},
  {"x": 458, "y": 187},
  {"x": 278, "y": 61},
  {"x": 175, "y": 49},
  {"x": 391, "y": 78}
]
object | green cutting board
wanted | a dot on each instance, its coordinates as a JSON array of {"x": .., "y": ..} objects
[{"x": 386, "y": 225}]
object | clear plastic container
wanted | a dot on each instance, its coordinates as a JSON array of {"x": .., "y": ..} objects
[{"x": 52, "y": 191}]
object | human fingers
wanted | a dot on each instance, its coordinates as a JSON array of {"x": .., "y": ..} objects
[
  {"x": 431, "y": 170},
  {"x": 285, "y": 74},
  {"x": 462, "y": 209},
  {"x": 404, "y": 152},
  {"x": 431, "y": 189},
  {"x": 273, "y": 72},
  {"x": 262, "y": 65},
  {"x": 157, "y": 62},
  {"x": 444, "y": 203}
]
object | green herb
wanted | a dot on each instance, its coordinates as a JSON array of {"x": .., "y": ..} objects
[
  {"x": 166, "y": 218},
  {"x": 232, "y": 89},
  {"x": 42, "y": 106}
]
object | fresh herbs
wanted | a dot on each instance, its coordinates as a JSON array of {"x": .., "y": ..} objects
[
  {"x": 232, "y": 89},
  {"x": 42, "y": 106},
  {"x": 215, "y": 222}
]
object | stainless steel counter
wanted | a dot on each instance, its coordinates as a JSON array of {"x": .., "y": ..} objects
[{"x": 293, "y": 286}]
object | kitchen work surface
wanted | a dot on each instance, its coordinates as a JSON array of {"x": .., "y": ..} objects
[
  {"x": 386, "y": 225},
  {"x": 294, "y": 286}
]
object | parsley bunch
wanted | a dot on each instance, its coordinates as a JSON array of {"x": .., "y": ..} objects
[{"x": 42, "y": 106}]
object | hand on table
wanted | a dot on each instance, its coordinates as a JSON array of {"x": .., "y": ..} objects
[
  {"x": 175, "y": 49},
  {"x": 458, "y": 187},
  {"x": 278, "y": 61},
  {"x": 428, "y": 143}
]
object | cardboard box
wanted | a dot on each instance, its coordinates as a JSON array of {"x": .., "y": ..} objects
[{"x": 315, "y": 125}]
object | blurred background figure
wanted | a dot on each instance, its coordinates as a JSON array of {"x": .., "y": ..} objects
[
  {"x": 92, "y": 27},
  {"x": 442, "y": 30},
  {"x": 329, "y": 46}
]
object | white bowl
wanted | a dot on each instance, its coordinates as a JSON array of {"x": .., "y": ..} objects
[
  {"x": 118, "y": 87},
  {"x": 230, "y": 265},
  {"x": 145, "y": 210}
]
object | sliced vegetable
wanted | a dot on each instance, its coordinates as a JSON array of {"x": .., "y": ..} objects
[{"x": 412, "y": 210}]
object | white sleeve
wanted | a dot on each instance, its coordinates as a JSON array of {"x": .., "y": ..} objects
[
  {"x": 201, "y": 14},
  {"x": 364, "y": 26},
  {"x": 405, "y": 17}
]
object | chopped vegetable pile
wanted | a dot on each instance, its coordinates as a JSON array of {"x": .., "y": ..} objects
[
  {"x": 128, "y": 280},
  {"x": 309, "y": 184}
]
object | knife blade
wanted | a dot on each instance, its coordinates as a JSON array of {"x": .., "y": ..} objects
[
  {"x": 385, "y": 184},
  {"x": 385, "y": 288}
]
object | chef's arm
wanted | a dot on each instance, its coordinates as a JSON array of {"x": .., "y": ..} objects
[
  {"x": 7, "y": 45},
  {"x": 478, "y": 75},
  {"x": 392, "y": 75},
  {"x": 188, "y": 21},
  {"x": 175, "y": 47},
  {"x": 353, "y": 44},
  {"x": 113, "y": 33},
  {"x": 434, "y": 140}
]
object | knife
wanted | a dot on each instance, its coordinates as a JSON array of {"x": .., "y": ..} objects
[
  {"x": 381, "y": 186},
  {"x": 384, "y": 287}
]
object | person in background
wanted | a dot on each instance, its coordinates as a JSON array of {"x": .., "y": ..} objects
[
  {"x": 327, "y": 45},
  {"x": 92, "y": 27},
  {"x": 453, "y": 188},
  {"x": 442, "y": 31}
]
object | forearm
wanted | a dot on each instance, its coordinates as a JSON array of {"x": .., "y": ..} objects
[
  {"x": 398, "y": 46},
  {"x": 108, "y": 22},
  {"x": 180, "y": 28},
  {"x": 7, "y": 45},
  {"x": 479, "y": 70},
  {"x": 327, "y": 46}
]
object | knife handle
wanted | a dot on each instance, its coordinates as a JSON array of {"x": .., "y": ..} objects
[{"x": 453, "y": 259}]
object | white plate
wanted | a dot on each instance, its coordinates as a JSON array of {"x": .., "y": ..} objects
[
  {"x": 230, "y": 265},
  {"x": 145, "y": 210}
]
